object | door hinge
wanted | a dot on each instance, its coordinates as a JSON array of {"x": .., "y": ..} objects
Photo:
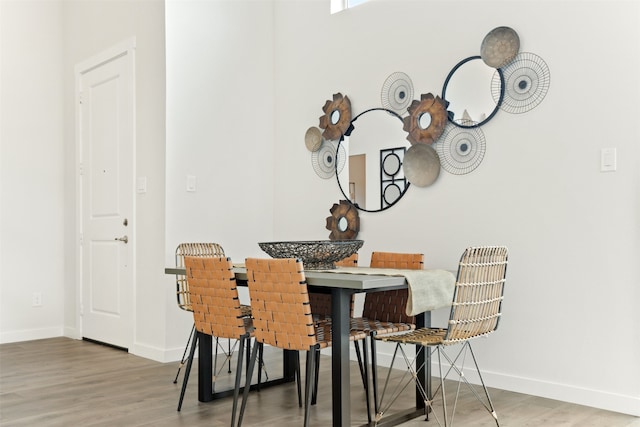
[
  {"x": 81, "y": 239},
  {"x": 81, "y": 97},
  {"x": 81, "y": 169}
]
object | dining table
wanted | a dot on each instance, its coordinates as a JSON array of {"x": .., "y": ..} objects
[{"x": 341, "y": 286}]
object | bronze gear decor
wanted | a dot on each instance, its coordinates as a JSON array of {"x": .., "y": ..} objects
[
  {"x": 436, "y": 108},
  {"x": 336, "y": 118},
  {"x": 344, "y": 221}
]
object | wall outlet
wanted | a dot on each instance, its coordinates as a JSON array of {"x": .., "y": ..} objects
[{"x": 36, "y": 299}]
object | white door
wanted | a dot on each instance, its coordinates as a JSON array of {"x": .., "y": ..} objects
[{"x": 106, "y": 136}]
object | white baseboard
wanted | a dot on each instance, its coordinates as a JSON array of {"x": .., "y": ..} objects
[
  {"x": 163, "y": 355},
  {"x": 155, "y": 353},
  {"x": 565, "y": 392},
  {"x": 550, "y": 390},
  {"x": 72, "y": 333},
  {"x": 30, "y": 335}
]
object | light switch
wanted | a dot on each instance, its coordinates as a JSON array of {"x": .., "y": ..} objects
[
  {"x": 191, "y": 183},
  {"x": 141, "y": 184},
  {"x": 608, "y": 161}
]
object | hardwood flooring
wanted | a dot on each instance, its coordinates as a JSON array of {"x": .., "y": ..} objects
[{"x": 65, "y": 382}]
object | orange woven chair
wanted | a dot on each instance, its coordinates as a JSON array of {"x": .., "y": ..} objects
[
  {"x": 321, "y": 311},
  {"x": 184, "y": 300},
  {"x": 321, "y": 303},
  {"x": 475, "y": 312},
  {"x": 282, "y": 317},
  {"x": 385, "y": 312},
  {"x": 216, "y": 311}
]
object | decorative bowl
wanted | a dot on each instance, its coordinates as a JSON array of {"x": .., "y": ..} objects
[{"x": 315, "y": 254}]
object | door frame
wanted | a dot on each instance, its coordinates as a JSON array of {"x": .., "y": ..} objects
[{"x": 126, "y": 49}]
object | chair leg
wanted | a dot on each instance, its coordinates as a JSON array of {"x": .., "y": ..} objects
[
  {"x": 462, "y": 378},
  {"x": 187, "y": 371},
  {"x": 247, "y": 385},
  {"x": 314, "y": 397},
  {"x": 374, "y": 373},
  {"x": 186, "y": 348},
  {"x": 236, "y": 390},
  {"x": 442, "y": 390},
  {"x": 365, "y": 375},
  {"x": 491, "y": 408},
  {"x": 309, "y": 382},
  {"x": 298, "y": 380},
  {"x": 260, "y": 363}
]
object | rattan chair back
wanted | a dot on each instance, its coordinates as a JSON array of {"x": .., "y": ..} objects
[
  {"x": 280, "y": 304},
  {"x": 194, "y": 250},
  {"x": 478, "y": 294},
  {"x": 214, "y": 297},
  {"x": 390, "y": 306},
  {"x": 321, "y": 303},
  {"x": 350, "y": 261}
]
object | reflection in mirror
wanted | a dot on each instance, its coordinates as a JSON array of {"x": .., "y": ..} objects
[
  {"x": 391, "y": 164},
  {"x": 375, "y": 144},
  {"x": 342, "y": 224},
  {"x": 391, "y": 193},
  {"x": 335, "y": 117},
  {"x": 468, "y": 91},
  {"x": 424, "y": 121}
]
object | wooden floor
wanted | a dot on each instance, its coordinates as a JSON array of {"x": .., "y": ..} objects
[{"x": 65, "y": 382}]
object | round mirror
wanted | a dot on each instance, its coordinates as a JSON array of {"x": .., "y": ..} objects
[
  {"x": 342, "y": 224},
  {"x": 375, "y": 143},
  {"x": 468, "y": 91},
  {"x": 424, "y": 121},
  {"x": 335, "y": 117}
]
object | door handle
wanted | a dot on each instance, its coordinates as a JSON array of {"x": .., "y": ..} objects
[{"x": 123, "y": 239}]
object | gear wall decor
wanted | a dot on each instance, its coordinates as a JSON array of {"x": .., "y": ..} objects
[{"x": 337, "y": 116}]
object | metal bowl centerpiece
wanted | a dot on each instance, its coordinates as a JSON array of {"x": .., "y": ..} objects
[{"x": 315, "y": 254}]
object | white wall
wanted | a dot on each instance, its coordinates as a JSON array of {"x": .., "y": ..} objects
[
  {"x": 572, "y": 231},
  {"x": 220, "y": 118},
  {"x": 31, "y": 171},
  {"x": 570, "y": 328},
  {"x": 42, "y": 41}
]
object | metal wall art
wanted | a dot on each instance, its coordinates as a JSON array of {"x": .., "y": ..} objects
[
  {"x": 344, "y": 221},
  {"x": 328, "y": 159},
  {"x": 336, "y": 118},
  {"x": 426, "y": 119},
  {"x": 397, "y": 92},
  {"x": 499, "y": 47},
  {"x": 421, "y": 165},
  {"x": 442, "y": 135},
  {"x": 461, "y": 149},
  {"x": 526, "y": 83},
  {"x": 313, "y": 139},
  {"x": 468, "y": 73}
]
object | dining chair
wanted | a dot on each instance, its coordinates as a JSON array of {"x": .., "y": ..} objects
[
  {"x": 196, "y": 249},
  {"x": 321, "y": 312},
  {"x": 283, "y": 319},
  {"x": 321, "y": 302},
  {"x": 475, "y": 312},
  {"x": 384, "y": 312},
  {"x": 216, "y": 311}
]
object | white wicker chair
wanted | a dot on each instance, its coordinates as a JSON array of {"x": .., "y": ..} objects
[{"x": 475, "y": 312}]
